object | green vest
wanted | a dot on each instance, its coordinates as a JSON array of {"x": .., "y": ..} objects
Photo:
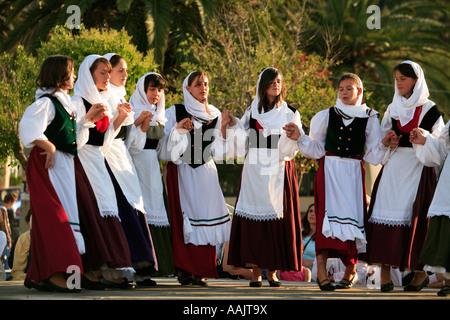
[{"x": 62, "y": 131}]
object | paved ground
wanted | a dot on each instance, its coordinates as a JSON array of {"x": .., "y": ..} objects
[{"x": 226, "y": 299}]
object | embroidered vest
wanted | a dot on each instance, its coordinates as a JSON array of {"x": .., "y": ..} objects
[
  {"x": 427, "y": 123},
  {"x": 62, "y": 131},
  {"x": 95, "y": 137},
  {"x": 200, "y": 151},
  {"x": 345, "y": 141}
]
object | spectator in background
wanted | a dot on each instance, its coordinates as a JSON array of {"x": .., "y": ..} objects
[{"x": 20, "y": 257}]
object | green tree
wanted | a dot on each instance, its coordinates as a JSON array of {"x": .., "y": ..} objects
[
  {"x": 155, "y": 24},
  {"x": 413, "y": 30}
]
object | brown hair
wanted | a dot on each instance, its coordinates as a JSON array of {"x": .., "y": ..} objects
[
  {"x": 406, "y": 69},
  {"x": 97, "y": 62},
  {"x": 265, "y": 82},
  {"x": 115, "y": 59},
  {"x": 154, "y": 80},
  {"x": 194, "y": 75},
  {"x": 54, "y": 72},
  {"x": 352, "y": 77}
]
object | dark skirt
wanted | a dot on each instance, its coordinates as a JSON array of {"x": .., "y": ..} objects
[
  {"x": 53, "y": 245},
  {"x": 136, "y": 230},
  {"x": 162, "y": 240},
  {"x": 198, "y": 260},
  {"x": 345, "y": 250},
  {"x": 436, "y": 250},
  {"x": 104, "y": 238},
  {"x": 400, "y": 246},
  {"x": 274, "y": 244}
]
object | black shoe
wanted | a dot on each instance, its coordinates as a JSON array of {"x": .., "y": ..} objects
[
  {"x": 30, "y": 284},
  {"x": 444, "y": 291},
  {"x": 146, "y": 283},
  {"x": 410, "y": 287},
  {"x": 199, "y": 281},
  {"x": 274, "y": 283},
  {"x": 347, "y": 284},
  {"x": 387, "y": 287},
  {"x": 114, "y": 285},
  {"x": 92, "y": 285},
  {"x": 55, "y": 288},
  {"x": 255, "y": 284},
  {"x": 326, "y": 287}
]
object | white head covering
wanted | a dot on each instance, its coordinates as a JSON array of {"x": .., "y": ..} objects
[
  {"x": 195, "y": 107},
  {"x": 139, "y": 102},
  {"x": 403, "y": 108},
  {"x": 274, "y": 120},
  {"x": 85, "y": 86},
  {"x": 358, "y": 110},
  {"x": 117, "y": 95}
]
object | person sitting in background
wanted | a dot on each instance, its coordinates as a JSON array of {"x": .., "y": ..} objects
[{"x": 20, "y": 257}]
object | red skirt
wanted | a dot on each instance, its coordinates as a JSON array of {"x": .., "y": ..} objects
[
  {"x": 198, "y": 260},
  {"x": 53, "y": 246},
  {"x": 345, "y": 250},
  {"x": 104, "y": 237},
  {"x": 274, "y": 244},
  {"x": 400, "y": 246}
]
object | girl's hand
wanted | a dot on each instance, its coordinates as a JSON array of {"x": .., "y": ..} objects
[
  {"x": 292, "y": 131},
  {"x": 184, "y": 126},
  {"x": 96, "y": 112},
  {"x": 416, "y": 136},
  {"x": 146, "y": 122}
]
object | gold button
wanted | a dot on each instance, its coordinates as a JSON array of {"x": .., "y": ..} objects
[
  {"x": 340, "y": 138},
  {"x": 350, "y": 129},
  {"x": 342, "y": 128},
  {"x": 70, "y": 118},
  {"x": 346, "y": 149},
  {"x": 73, "y": 143},
  {"x": 71, "y": 130},
  {"x": 349, "y": 139},
  {"x": 338, "y": 148}
]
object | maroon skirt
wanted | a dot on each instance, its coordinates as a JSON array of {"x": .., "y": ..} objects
[
  {"x": 345, "y": 250},
  {"x": 400, "y": 246},
  {"x": 53, "y": 246},
  {"x": 198, "y": 260},
  {"x": 104, "y": 238},
  {"x": 274, "y": 244}
]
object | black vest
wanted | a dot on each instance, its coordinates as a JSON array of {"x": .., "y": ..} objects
[
  {"x": 95, "y": 137},
  {"x": 345, "y": 141},
  {"x": 200, "y": 151},
  {"x": 428, "y": 120},
  {"x": 62, "y": 131}
]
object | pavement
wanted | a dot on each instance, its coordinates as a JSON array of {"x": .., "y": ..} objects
[{"x": 230, "y": 298}]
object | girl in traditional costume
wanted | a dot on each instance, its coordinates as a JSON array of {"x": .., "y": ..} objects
[
  {"x": 266, "y": 228},
  {"x": 130, "y": 134},
  {"x": 337, "y": 137},
  {"x": 434, "y": 151},
  {"x": 108, "y": 255},
  {"x": 404, "y": 187},
  {"x": 49, "y": 126},
  {"x": 149, "y": 98},
  {"x": 199, "y": 215}
]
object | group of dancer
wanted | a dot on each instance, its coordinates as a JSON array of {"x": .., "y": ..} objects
[{"x": 99, "y": 201}]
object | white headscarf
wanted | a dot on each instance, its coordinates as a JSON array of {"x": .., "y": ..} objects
[
  {"x": 358, "y": 110},
  {"x": 195, "y": 107},
  {"x": 139, "y": 102},
  {"x": 117, "y": 95},
  {"x": 403, "y": 108},
  {"x": 85, "y": 87},
  {"x": 274, "y": 120}
]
